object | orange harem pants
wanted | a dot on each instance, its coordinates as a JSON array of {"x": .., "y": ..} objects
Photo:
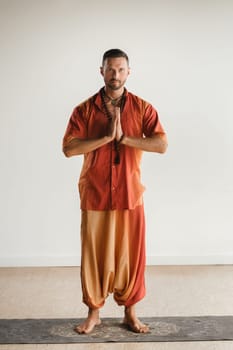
[{"x": 113, "y": 256}]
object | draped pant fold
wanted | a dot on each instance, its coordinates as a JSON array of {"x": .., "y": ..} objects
[{"x": 113, "y": 256}]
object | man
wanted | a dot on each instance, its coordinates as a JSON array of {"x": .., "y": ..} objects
[{"x": 111, "y": 129}]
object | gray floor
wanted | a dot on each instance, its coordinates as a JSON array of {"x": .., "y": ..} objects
[{"x": 171, "y": 291}]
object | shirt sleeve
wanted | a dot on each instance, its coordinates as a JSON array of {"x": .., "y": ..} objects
[
  {"x": 77, "y": 126},
  {"x": 151, "y": 122}
]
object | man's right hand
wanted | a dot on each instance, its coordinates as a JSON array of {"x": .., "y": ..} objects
[{"x": 112, "y": 128}]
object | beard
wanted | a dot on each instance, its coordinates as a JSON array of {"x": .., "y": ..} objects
[{"x": 114, "y": 84}]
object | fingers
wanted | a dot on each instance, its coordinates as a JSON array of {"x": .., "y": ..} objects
[
  {"x": 119, "y": 131},
  {"x": 117, "y": 113},
  {"x": 112, "y": 127},
  {"x": 115, "y": 129}
]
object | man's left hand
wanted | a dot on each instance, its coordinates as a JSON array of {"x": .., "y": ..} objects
[{"x": 119, "y": 131}]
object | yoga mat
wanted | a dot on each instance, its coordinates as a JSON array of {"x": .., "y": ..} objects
[{"x": 162, "y": 329}]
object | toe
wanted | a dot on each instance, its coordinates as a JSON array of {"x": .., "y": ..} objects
[
  {"x": 144, "y": 329},
  {"x": 78, "y": 329}
]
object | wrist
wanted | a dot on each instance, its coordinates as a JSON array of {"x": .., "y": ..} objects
[{"x": 107, "y": 138}]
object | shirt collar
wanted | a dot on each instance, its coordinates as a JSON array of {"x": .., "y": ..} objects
[{"x": 98, "y": 100}]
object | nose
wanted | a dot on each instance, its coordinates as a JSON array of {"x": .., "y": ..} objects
[{"x": 115, "y": 74}]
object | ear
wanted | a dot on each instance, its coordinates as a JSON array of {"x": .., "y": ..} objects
[{"x": 101, "y": 71}]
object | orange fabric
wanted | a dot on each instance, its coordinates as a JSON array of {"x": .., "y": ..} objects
[
  {"x": 102, "y": 184},
  {"x": 113, "y": 256}
]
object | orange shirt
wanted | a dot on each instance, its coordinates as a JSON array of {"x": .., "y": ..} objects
[{"x": 104, "y": 185}]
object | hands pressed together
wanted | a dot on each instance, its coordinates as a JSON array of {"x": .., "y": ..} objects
[{"x": 115, "y": 129}]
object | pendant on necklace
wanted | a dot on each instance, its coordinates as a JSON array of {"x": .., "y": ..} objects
[{"x": 114, "y": 102}]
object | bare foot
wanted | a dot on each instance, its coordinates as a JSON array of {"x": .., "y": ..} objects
[
  {"x": 133, "y": 322},
  {"x": 89, "y": 324}
]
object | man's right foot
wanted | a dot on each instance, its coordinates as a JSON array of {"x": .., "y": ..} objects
[{"x": 89, "y": 324}]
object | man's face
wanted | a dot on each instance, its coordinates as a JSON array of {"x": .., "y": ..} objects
[{"x": 115, "y": 72}]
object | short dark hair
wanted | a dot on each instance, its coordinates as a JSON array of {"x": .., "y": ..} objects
[{"x": 115, "y": 53}]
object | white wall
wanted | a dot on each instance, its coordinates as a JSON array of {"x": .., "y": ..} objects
[{"x": 181, "y": 59}]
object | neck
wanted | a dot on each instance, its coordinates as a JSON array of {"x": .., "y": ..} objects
[{"x": 114, "y": 94}]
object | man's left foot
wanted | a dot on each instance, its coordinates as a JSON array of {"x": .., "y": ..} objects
[
  {"x": 134, "y": 323},
  {"x": 136, "y": 326}
]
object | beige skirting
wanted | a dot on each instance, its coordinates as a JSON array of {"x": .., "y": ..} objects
[{"x": 113, "y": 256}]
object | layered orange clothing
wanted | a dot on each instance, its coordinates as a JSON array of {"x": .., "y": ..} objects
[{"x": 113, "y": 227}]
